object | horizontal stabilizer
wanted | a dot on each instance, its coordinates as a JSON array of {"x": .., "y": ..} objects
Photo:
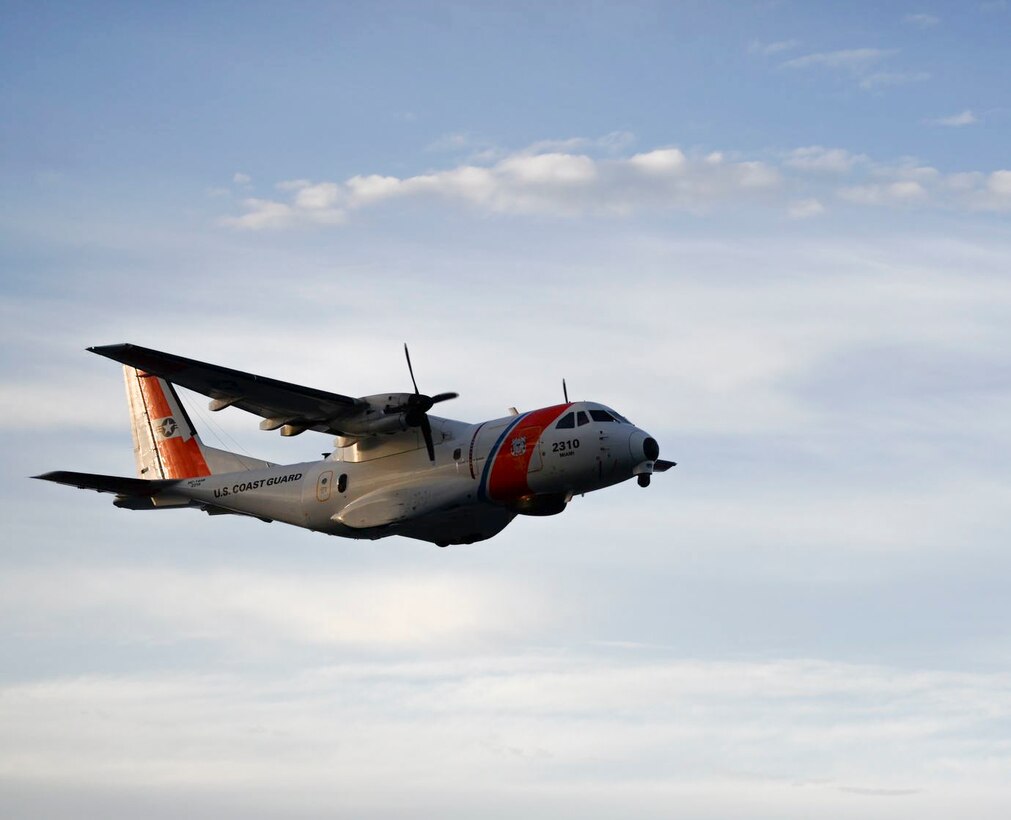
[{"x": 132, "y": 487}]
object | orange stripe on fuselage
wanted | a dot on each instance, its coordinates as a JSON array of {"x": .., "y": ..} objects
[
  {"x": 180, "y": 456},
  {"x": 508, "y": 479}
]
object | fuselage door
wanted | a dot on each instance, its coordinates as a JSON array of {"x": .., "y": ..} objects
[{"x": 323, "y": 485}]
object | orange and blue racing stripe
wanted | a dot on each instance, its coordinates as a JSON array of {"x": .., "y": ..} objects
[{"x": 515, "y": 453}]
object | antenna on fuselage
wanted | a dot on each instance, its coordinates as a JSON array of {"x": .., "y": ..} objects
[{"x": 565, "y": 391}]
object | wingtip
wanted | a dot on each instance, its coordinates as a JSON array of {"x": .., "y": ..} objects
[{"x": 104, "y": 350}]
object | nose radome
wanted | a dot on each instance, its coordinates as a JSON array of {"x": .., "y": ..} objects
[{"x": 643, "y": 447}]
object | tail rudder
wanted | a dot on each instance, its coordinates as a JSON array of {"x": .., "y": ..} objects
[{"x": 165, "y": 442}]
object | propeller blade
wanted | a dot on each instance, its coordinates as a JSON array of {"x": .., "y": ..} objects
[
  {"x": 444, "y": 397},
  {"x": 417, "y": 407},
  {"x": 661, "y": 466},
  {"x": 410, "y": 369},
  {"x": 426, "y": 432}
]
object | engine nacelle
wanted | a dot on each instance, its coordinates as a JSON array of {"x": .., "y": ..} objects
[{"x": 378, "y": 424}]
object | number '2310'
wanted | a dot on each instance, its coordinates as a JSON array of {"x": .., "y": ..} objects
[{"x": 565, "y": 446}]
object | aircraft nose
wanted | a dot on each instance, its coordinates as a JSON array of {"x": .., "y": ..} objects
[
  {"x": 644, "y": 450},
  {"x": 643, "y": 447}
]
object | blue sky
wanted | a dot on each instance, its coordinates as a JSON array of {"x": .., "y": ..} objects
[{"x": 773, "y": 234}]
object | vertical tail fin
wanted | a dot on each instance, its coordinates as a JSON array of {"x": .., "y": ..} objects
[{"x": 165, "y": 442}]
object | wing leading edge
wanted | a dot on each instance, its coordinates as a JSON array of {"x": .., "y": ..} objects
[{"x": 281, "y": 403}]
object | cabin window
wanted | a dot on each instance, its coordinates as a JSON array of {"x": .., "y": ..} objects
[
  {"x": 457, "y": 453},
  {"x": 581, "y": 419},
  {"x": 601, "y": 415},
  {"x": 567, "y": 421},
  {"x": 342, "y": 482}
]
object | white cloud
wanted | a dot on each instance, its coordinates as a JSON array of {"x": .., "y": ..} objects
[
  {"x": 852, "y": 59},
  {"x": 922, "y": 20},
  {"x": 614, "y": 141},
  {"x": 533, "y": 181},
  {"x": 805, "y": 209},
  {"x": 966, "y": 181},
  {"x": 907, "y": 168},
  {"x": 897, "y": 193},
  {"x": 817, "y": 158},
  {"x": 241, "y": 179},
  {"x": 768, "y": 49},
  {"x": 755, "y": 175},
  {"x": 372, "y": 188},
  {"x": 592, "y": 733},
  {"x": 999, "y": 183},
  {"x": 317, "y": 197},
  {"x": 391, "y": 610},
  {"x": 262, "y": 214},
  {"x": 549, "y": 169},
  {"x": 662, "y": 161},
  {"x": 543, "y": 179},
  {"x": 880, "y": 79},
  {"x": 966, "y": 117},
  {"x": 862, "y": 64}
]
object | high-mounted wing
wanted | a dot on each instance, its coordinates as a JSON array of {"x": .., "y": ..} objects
[{"x": 291, "y": 406}]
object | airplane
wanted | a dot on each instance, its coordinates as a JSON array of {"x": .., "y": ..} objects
[{"x": 394, "y": 469}]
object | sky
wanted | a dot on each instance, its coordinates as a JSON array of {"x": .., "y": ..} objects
[{"x": 773, "y": 234}]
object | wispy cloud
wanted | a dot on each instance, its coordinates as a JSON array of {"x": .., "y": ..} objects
[
  {"x": 902, "y": 192},
  {"x": 769, "y": 49},
  {"x": 922, "y": 20},
  {"x": 880, "y": 79},
  {"x": 852, "y": 59},
  {"x": 864, "y": 65},
  {"x": 966, "y": 117},
  {"x": 805, "y": 209},
  {"x": 819, "y": 158}
]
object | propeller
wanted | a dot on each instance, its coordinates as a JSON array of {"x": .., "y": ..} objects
[{"x": 418, "y": 405}]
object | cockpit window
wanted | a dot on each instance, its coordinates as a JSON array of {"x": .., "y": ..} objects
[
  {"x": 568, "y": 420},
  {"x": 581, "y": 419},
  {"x": 601, "y": 415}
]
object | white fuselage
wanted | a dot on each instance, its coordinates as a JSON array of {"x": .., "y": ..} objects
[{"x": 483, "y": 475}]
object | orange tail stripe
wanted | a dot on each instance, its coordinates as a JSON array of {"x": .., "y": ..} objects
[{"x": 180, "y": 456}]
